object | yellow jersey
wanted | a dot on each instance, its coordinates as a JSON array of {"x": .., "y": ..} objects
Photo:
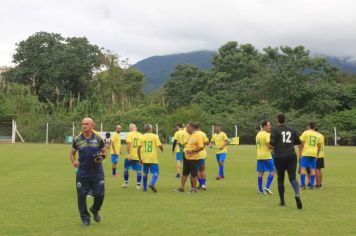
[
  {"x": 180, "y": 135},
  {"x": 133, "y": 138},
  {"x": 322, "y": 146},
  {"x": 149, "y": 143},
  {"x": 116, "y": 141},
  {"x": 310, "y": 139},
  {"x": 203, "y": 153},
  {"x": 262, "y": 143},
  {"x": 219, "y": 139},
  {"x": 193, "y": 141}
]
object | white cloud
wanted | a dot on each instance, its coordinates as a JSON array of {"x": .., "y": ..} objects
[{"x": 138, "y": 29}]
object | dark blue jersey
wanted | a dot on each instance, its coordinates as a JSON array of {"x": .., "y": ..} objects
[{"x": 87, "y": 148}]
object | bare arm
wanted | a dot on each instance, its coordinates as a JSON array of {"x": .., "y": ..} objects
[
  {"x": 161, "y": 147},
  {"x": 128, "y": 149},
  {"x": 72, "y": 158}
]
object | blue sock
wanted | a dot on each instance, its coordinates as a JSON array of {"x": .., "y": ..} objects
[
  {"x": 312, "y": 179},
  {"x": 144, "y": 182},
  {"x": 221, "y": 170},
  {"x": 302, "y": 179},
  {"x": 203, "y": 181},
  {"x": 113, "y": 171},
  {"x": 269, "y": 181},
  {"x": 154, "y": 179},
  {"x": 199, "y": 180},
  {"x": 139, "y": 177},
  {"x": 259, "y": 181},
  {"x": 126, "y": 176}
]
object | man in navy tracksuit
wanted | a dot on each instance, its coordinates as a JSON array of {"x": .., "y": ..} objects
[{"x": 90, "y": 174}]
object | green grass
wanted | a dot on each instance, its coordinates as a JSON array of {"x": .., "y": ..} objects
[{"x": 38, "y": 197}]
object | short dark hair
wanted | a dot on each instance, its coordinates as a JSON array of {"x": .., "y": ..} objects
[
  {"x": 180, "y": 125},
  {"x": 312, "y": 125},
  {"x": 107, "y": 135},
  {"x": 195, "y": 125},
  {"x": 281, "y": 118},
  {"x": 264, "y": 123}
]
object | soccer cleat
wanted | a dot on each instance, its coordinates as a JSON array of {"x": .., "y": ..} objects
[
  {"x": 145, "y": 190},
  {"x": 193, "y": 190},
  {"x": 261, "y": 192},
  {"x": 125, "y": 185},
  {"x": 299, "y": 202},
  {"x": 116, "y": 175},
  {"x": 138, "y": 187},
  {"x": 268, "y": 191},
  {"x": 282, "y": 203},
  {"x": 219, "y": 177},
  {"x": 86, "y": 223},
  {"x": 178, "y": 175},
  {"x": 152, "y": 187},
  {"x": 199, "y": 187},
  {"x": 179, "y": 190},
  {"x": 311, "y": 187},
  {"x": 203, "y": 187},
  {"x": 302, "y": 187},
  {"x": 96, "y": 215}
]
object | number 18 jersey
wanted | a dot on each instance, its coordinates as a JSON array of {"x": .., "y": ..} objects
[{"x": 149, "y": 143}]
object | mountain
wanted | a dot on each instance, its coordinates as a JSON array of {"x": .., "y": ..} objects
[{"x": 158, "y": 68}]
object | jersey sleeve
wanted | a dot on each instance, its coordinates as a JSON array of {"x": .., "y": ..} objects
[
  {"x": 205, "y": 138},
  {"x": 296, "y": 138},
  {"x": 225, "y": 137},
  {"x": 74, "y": 145},
  {"x": 268, "y": 138},
  {"x": 128, "y": 138},
  {"x": 175, "y": 137},
  {"x": 303, "y": 137}
]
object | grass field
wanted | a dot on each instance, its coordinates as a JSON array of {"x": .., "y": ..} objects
[{"x": 38, "y": 197}]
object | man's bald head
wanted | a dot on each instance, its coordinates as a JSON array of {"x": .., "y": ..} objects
[
  {"x": 133, "y": 127},
  {"x": 87, "y": 124}
]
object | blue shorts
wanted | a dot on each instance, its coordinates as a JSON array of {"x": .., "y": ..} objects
[
  {"x": 201, "y": 162},
  {"x": 179, "y": 156},
  {"x": 265, "y": 165},
  {"x": 132, "y": 164},
  {"x": 221, "y": 156},
  {"x": 114, "y": 158},
  {"x": 153, "y": 168},
  {"x": 306, "y": 161}
]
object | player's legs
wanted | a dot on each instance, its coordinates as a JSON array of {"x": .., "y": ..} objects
[
  {"x": 186, "y": 172},
  {"x": 304, "y": 163},
  {"x": 318, "y": 172},
  {"x": 201, "y": 173},
  {"x": 136, "y": 166},
  {"x": 281, "y": 168},
  {"x": 269, "y": 166},
  {"x": 98, "y": 187},
  {"x": 292, "y": 169},
  {"x": 114, "y": 160},
  {"x": 154, "y": 168},
  {"x": 179, "y": 158},
  {"x": 221, "y": 159},
  {"x": 145, "y": 176},
  {"x": 127, "y": 166},
  {"x": 83, "y": 187},
  {"x": 193, "y": 174},
  {"x": 312, "y": 171}
]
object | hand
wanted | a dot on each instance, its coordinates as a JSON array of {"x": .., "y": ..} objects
[{"x": 76, "y": 164}]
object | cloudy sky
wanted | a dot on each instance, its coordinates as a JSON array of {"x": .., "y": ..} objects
[{"x": 137, "y": 29}]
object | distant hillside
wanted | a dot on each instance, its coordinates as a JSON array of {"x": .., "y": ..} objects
[{"x": 158, "y": 68}]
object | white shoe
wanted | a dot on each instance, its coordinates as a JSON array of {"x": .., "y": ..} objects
[
  {"x": 268, "y": 191},
  {"x": 138, "y": 187},
  {"x": 125, "y": 185}
]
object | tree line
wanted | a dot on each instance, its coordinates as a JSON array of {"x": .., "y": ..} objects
[{"x": 60, "y": 80}]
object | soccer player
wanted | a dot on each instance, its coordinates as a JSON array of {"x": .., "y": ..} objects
[
  {"x": 178, "y": 146},
  {"x": 115, "y": 148},
  {"x": 264, "y": 157},
  {"x": 194, "y": 144},
  {"x": 219, "y": 141},
  {"x": 201, "y": 163},
  {"x": 283, "y": 139},
  {"x": 90, "y": 173},
  {"x": 147, "y": 153},
  {"x": 308, "y": 152},
  {"x": 132, "y": 161},
  {"x": 320, "y": 162}
]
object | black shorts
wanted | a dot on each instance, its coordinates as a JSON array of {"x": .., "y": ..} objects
[
  {"x": 190, "y": 167},
  {"x": 286, "y": 163},
  {"x": 320, "y": 163}
]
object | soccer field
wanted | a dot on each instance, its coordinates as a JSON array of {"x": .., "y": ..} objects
[{"x": 38, "y": 197}]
